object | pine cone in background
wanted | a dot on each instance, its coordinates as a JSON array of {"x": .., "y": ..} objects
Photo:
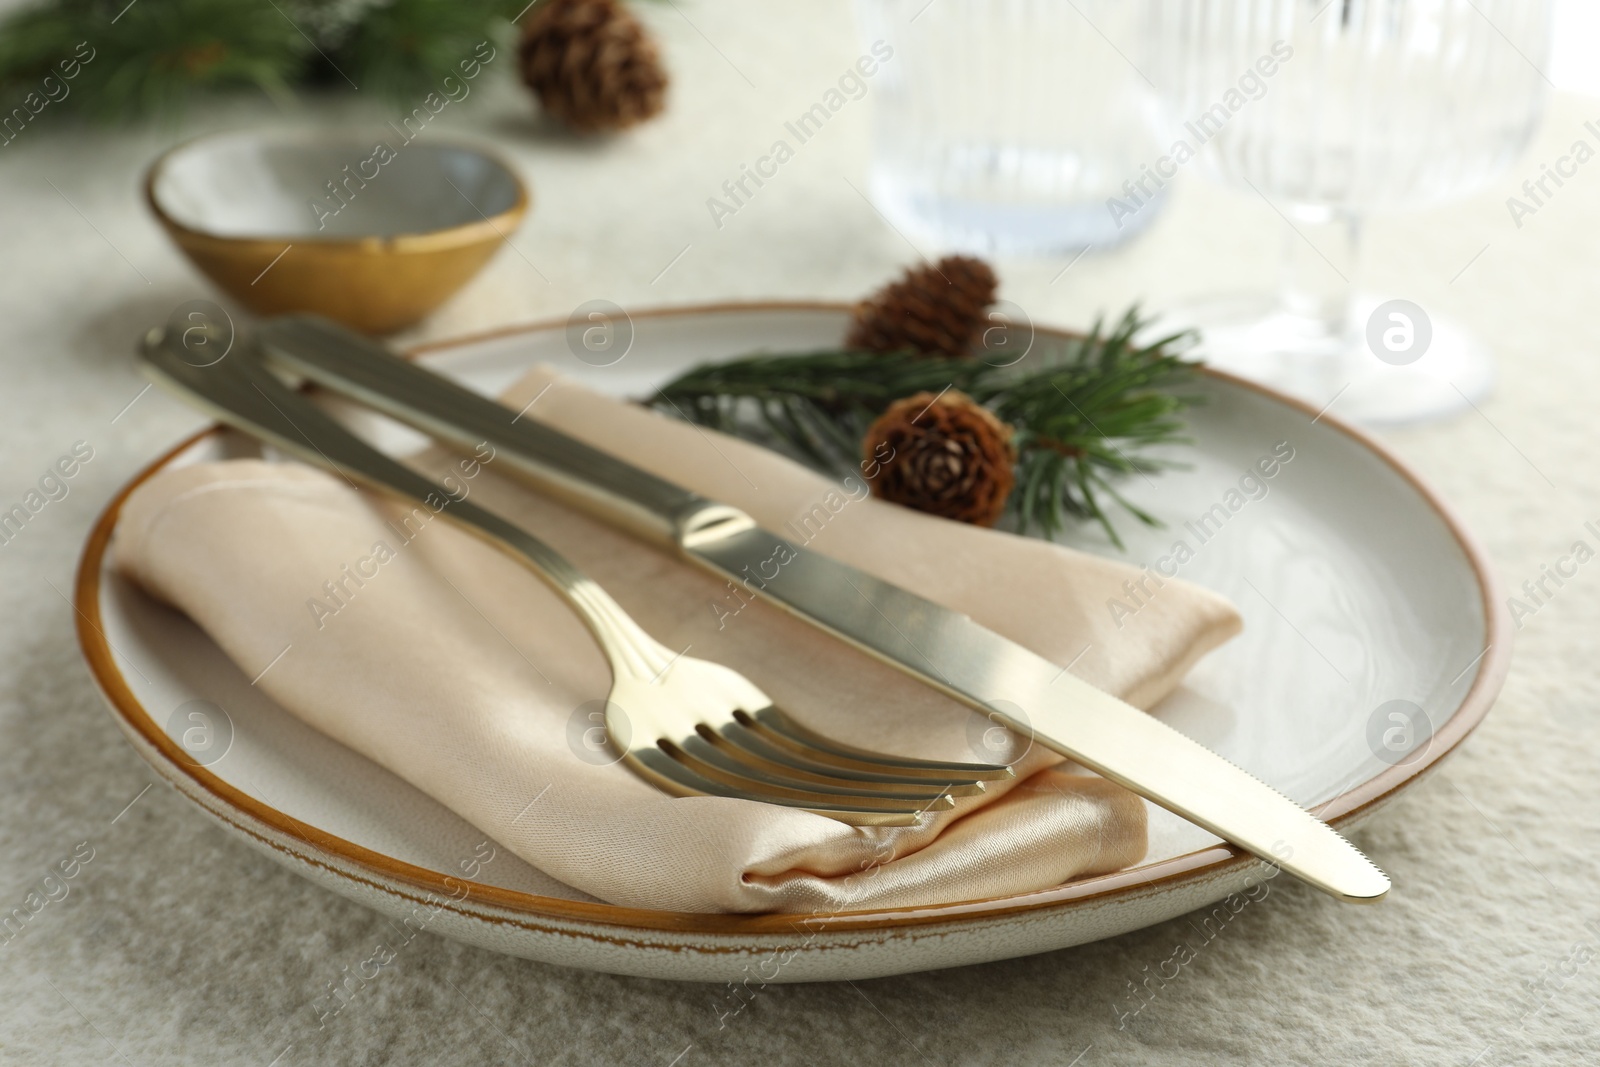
[
  {"x": 944, "y": 454},
  {"x": 935, "y": 310},
  {"x": 591, "y": 64}
]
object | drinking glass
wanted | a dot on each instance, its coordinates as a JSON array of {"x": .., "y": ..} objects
[
  {"x": 1331, "y": 110},
  {"x": 1003, "y": 126}
]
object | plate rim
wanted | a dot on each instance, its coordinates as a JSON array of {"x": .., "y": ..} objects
[{"x": 342, "y": 857}]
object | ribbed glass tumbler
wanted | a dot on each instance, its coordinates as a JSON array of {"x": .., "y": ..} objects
[{"x": 1007, "y": 126}]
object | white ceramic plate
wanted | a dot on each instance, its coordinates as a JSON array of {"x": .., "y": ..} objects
[{"x": 1358, "y": 587}]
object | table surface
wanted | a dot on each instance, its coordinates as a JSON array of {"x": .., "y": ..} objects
[{"x": 177, "y": 945}]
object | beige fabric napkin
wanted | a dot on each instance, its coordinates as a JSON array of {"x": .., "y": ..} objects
[{"x": 431, "y": 653}]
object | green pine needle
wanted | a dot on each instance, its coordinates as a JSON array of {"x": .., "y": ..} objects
[{"x": 1085, "y": 414}]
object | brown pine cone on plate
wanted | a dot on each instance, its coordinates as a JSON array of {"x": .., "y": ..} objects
[
  {"x": 591, "y": 64},
  {"x": 944, "y": 454},
  {"x": 935, "y": 309}
]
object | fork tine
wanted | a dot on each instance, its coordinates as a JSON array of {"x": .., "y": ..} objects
[
  {"x": 667, "y": 774},
  {"x": 721, "y": 764},
  {"x": 779, "y": 729},
  {"x": 749, "y": 747}
]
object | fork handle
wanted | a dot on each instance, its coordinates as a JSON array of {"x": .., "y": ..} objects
[
  {"x": 589, "y": 479},
  {"x": 241, "y": 392}
]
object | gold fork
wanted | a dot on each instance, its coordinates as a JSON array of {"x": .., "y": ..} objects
[{"x": 687, "y": 725}]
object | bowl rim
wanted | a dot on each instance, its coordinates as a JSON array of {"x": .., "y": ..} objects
[
  {"x": 367, "y": 868},
  {"x": 487, "y": 227}
]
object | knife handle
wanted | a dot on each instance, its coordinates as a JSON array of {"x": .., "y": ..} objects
[{"x": 616, "y": 492}]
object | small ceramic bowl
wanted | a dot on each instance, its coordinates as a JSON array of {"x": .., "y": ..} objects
[{"x": 368, "y": 228}]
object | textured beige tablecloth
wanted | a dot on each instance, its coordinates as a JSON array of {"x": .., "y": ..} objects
[{"x": 175, "y": 945}]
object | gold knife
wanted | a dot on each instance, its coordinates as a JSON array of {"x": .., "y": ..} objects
[{"x": 945, "y": 649}]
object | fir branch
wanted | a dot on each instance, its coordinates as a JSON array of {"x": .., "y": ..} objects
[
  {"x": 160, "y": 54},
  {"x": 404, "y": 49},
  {"x": 1085, "y": 414},
  {"x": 155, "y": 56}
]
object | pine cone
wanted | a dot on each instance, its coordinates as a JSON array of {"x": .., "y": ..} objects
[
  {"x": 944, "y": 454},
  {"x": 935, "y": 310},
  {"x": 591, "y": 64}
]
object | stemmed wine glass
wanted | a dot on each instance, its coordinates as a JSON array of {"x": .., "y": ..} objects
[{"x": 1332, "y": 110}]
